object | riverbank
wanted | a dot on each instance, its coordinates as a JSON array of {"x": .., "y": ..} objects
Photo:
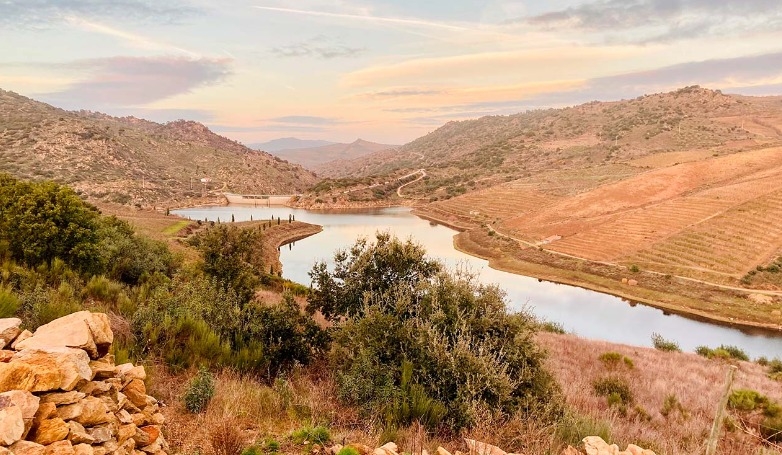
[
  {"x": 671, "y": 294},
  {"x": 277, "y": 235}
]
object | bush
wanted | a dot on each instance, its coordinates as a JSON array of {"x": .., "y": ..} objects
[
  {"x": 661, "y": 344},
  {"x": 775, "y": 366},
  {"x": 613, "y": 386},
  {"x": 396, "y": 305},
  {"x": 722, "y": 352},
  {"x": 573, "y": 428},
  {"x": 747, "y": 400},
  {"x": 199, "y": 392},
  {"x": 9, "y": 303},
  {"x": 348, "y": 451},
  {"x": 671, "y": 405},
  {"x": 552, "y": 327},
  {"x": 226, "y": 437}
]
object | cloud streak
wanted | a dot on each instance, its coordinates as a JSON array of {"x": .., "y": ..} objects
[
  {"x": 41, "y": 13},
  {"x": 319, "y": 47},
  {"x": 131, "y": 38},
  {"x": 368, "y": 18},
  {"x": 135, "y": 81}
]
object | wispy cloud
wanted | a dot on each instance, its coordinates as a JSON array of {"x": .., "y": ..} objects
[
  {"x": 320, "y": 47},
  {"x": 130, "y": 38},
  {"x": 661, "y": 20},
  {"x": 135, "y": 81},
  {"x": 367, "y": 18},
  {"x": 42, "y": 13}
]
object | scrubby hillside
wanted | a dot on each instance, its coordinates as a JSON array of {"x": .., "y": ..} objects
[{"x": 130, "y": 160}]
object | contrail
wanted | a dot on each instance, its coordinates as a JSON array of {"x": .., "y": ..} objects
[{"x": 387, "y": 20}]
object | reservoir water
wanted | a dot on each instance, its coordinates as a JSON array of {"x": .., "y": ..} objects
[{"x": 586, "y": 313}]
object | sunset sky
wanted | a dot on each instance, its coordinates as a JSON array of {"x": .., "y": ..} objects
[{"x": 386, "y": 71}]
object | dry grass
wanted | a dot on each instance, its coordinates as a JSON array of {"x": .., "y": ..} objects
[{"x": 696, "y": 383}]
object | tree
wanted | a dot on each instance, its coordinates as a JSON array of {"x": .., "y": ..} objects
[
  {"x": 233, "y": 256},
  {"x": 393, "y": 306},
  {"x": 368, "y": 269},
  {"x": 43, "y": 221}
]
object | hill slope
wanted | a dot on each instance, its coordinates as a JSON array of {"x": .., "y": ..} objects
[
  {"x": 328, "y": 159},
  {"x": 129, "y": 160}
]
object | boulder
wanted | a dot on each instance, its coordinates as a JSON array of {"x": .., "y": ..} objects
[
  {"x": 570, "y": 450},
  {"x": 78, "y": 434},
  {"x": 26, "y": 448},
  {"x": 595, "y": 445},
  {"x": 9, "y": 330},
  {"x": 22, "y": 336},
  {"x": 94, "y": 412},
  {"x": 442, "y": 451},
  {"x": 11, "y": 423},
  {"x": 6, "y": 355},
  {"x": 126, "y": 432},
  {"x": 59, "y": 448},
  {"x": 136, "y": 392},
  {"x": 82, "y": 449},
  {"x": 71, "y": 364},
  {"x": 632, "y": 282},
  {"x": 481, "y": 448},
  {"x": 101, "y": 434},
  {"x": 45, "y": 411},
  {"x": 389, "y": 448},
  {"x": 90, "y": 332},
  {"x": 49, "y": 431},
  {"x": 360, "y": 448},
  {"x": 60, "y": 399},
  {"x": 30, "y": 377},
  {"x": 94, "y": 387},
  {"x": 24, "y": 400}
]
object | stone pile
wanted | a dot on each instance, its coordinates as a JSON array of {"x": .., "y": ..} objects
[
  {"x": 593, "y": 445},
  {"x": 62, "y": 394}
]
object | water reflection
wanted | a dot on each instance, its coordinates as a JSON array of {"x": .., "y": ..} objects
[{"x": 587, "y": 313}]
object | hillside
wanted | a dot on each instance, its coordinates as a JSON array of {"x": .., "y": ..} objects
[
  {"x": 130, "y": 160},
  {"x": 469, "y": 155},
  {"x": 328, "y": 160}
]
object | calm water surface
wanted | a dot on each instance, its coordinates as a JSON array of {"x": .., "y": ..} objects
[{"x": 586, "y": 313}]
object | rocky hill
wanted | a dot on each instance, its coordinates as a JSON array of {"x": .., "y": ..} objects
[
  {"x": 134, "y": 161},
  {"x": 60, "y": 392},
  {"x": 465, "y": 156}
]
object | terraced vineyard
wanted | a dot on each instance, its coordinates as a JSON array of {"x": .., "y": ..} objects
[
  {"x": 731, "y": 243},
  {"x": 631, "y": 231}
]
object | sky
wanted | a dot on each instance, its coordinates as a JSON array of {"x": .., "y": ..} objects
[{"x": 382, "y": 70}]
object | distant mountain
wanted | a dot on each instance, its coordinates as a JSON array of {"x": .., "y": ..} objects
[
  {"x": 318, "y": 158},
  {"x": 134, "y": 161},
  {"x": 288, "y": 143}
]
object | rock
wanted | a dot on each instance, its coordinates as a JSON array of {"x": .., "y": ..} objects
[
  {"x": 9, "y": 330},
  {"x": 29, "y": 377},
  {"x": 11, "y": 422},
  {"x": 481, "y": 448},
  {"x": 147, "y": 435},
  {"x": 71, "y": 364},
  {"x": 49, "y": 431},
  {"x": 83, "y": 330},
  {"x": 60, "y": 399},
  {"x": 388, "y": 448},
  {"x": 101, "y": 434},
  {"x": 776, "y": 313},
  {"x": 157, "y": 419},
  {"x": 126, "y": 432},
  {"x": 22, "y": 336},
  {"x": 632, "y": 282},
  {"x": 24, "y": 400},
  {"x": 78, "y": 434},
  {"x": 45, "y": 411},
  {"x": 595, "y": 445},
  {"x": 26, "y": 448},
  {"x": 82, "y": 449},
  {"x": 136, "y": 392},
  {"x": 334, "y": 450},
  {"x": 624, "y": 280},
  {"x": 4, "y": 451},
  {"x": 124, "y": 417},
  {"x": 102, "y": 370},
  {"x": 6, "y": 356},
  {"x": 94, "y": 387},
  {"x": 570, "y": 450},
  {"x": 94, "y": 412},
  {"x": 442, "y": 451},
  {"x": 633, "y": 449},
  {"x": 59, "y": 448}
]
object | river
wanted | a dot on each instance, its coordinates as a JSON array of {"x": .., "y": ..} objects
[{"x": 586, "y": 313}]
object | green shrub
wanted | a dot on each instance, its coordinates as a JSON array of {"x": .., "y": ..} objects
[
  {"x": 762, "y": 361},
  {"x": 252, "y": 450},
  {"x": 9, "y": 303},
  {"x": 412, "y": 404},
  {"x": 393, "y": 304},
  {"x": 272, "y": 446},
  {"x": 573, "y": 428},
  {"x": 552, "y": 327},
  {"x": 628, "y": 362},
  {"x": 634, "y": 269},
  {"x": 611, "y": 359},
  {"x": 747, "y": 400},
  {"x": 771, "y": 429},
  {"x": 309, "y": 435},
  {"x": 614, "y": 387},
  {"x": 704, "y": 351},
  {"x": 775, "y": 366},
  {"x": 200, "y": 391},
  {"x": 348, "y": 451},
  {"x": 672, "y": 405},
  {"x": 661, "y": 344}
]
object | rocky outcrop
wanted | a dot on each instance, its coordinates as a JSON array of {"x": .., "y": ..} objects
[{"x": 61, "y": 392}]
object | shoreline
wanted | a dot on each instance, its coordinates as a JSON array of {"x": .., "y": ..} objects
[{"x": 557, "y": 275}]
